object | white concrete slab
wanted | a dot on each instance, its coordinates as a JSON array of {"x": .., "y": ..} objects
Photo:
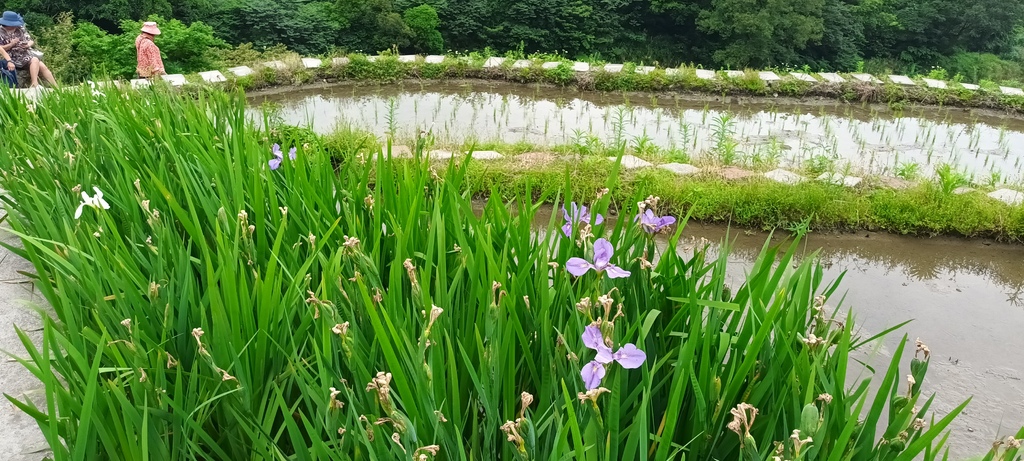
[
  {"x": 734, "y": 73},
  {"x": 644, "y": 69},
  {"x": 784, "y": 176},
  {"x": 141, "y": 83},
  {"x": 681, "y": 169},
  {"x": 768, "y": 76},
  {"x": 338, "y": 62},
  {"x": 522, "y": 64},
  {"x": 311, "y": 63},
  {"x": 486, "y": 155},
  {"x": 866, "y": 78},
  {"x": 970, "y": 86},
  {"x": 803, "y": 77},
  {"x": 241, "y": 71},
  {"x": 705, "y": 74},
  {"x": 213, "y": 76},
  {"x": 494, "y": 62},
  {"x": 1008, "y": 196},
  {"x": 932, "y": 83},
  {"x": 434, "y": 59},
  {"x": 175, "y": 79},
  {"x": 832, "y": 77},
  {"x": 581, "y": 67},
  {"x": 672, "y": 71},
  {"x": 613, "y": 68},
  {"x": 440, "y": 155},
  {"x": 632, "y": 162},
  {"x": 407, "y": 58},
  {"x": 1011, "y": 91},
  {"x": 550, "y": 65},
  {"x": 275, "y": 65},
  {"x": 902, "y": 80},
  {"x": 841, "y": 180}
]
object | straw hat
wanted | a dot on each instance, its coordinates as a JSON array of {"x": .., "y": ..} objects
[{"x": 150, "y": 28}]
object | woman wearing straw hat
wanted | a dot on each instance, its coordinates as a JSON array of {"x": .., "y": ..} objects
[
  {"x": 150, "y": 63},
  {"x": 15, "y": 40}
]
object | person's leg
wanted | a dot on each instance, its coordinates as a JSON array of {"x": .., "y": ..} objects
[
  {"x": 47, "y": 75},
  {"x": 33, "y": 72}
]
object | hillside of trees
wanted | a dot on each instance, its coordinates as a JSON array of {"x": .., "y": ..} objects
[{"x": 978, "y": 39}]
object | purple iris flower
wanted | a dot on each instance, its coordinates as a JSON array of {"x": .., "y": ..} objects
[
  {"x": 654, "y": 224},
  {"x": 628, "y": 356},
  {"x": 275, "y": 162},
  {"x": 291, "y": 155},
  {"x": 603, "y": 252},
  {"x": 580, "y": 214}
]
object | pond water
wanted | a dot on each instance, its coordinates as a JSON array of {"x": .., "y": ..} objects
[{"x": 863, "y": 138}]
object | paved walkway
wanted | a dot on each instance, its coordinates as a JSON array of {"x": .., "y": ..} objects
[{"x": 20, "y": 439}]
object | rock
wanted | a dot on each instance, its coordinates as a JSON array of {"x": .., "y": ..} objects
[
  {"x": 895, "y": 183},
  {"x": 241, "y": 71},
  {"x": 613, "y": 68},
  {"x": 434, "y": 59},
  {"x": 841, "y": 180},
  {"x": 311, "y": 63},
  {"x": 174, "y": 79},
  {"x": 902, "y": 80},
  {"x": 486, "y": 155},
  {"x": 213, "y": 76},
  {"x": 1008, "y": 196},
  {"x": 784, "y": 176},
  {"x": 931, "y": 83},
  {"x": 732, "y": 173},
  {"x": 681, "y": 169},
  {"x": 632, "y": 162},
  {"x": 832, "y": 77},
  {"x": 705, "y": 74}
]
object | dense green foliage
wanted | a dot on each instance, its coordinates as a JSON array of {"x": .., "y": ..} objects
[
  {"x": 214, "y": 306},
  {"x": 979, "y": 40}
]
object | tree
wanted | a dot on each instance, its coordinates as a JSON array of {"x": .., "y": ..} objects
[
  {"x": 372, "y": 26},
  {"x": 762, "y": 32},
  {"x": 423, "y": 21}
]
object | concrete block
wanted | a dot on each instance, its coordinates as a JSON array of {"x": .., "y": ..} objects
[
  {"x": 213, "y": 76},
  {"x": 705, "y": 74},
  {"x": 681, "y": 169},
  {"x": 613, "y": 68},
  {"x": 434, "y": 59},
  {"x": 581, "y": 67},
  {"x": 644, "y": 69},
  {"x": 970, "y": 86},
  {"x": 768, "y": 76},
  {"x": 841, "y": 180},
  {"x": 1011, "y": 91},
  {"x": 338, "y": 62},
  {"x": 902, "y": 80},
  {"x": 241, "y": 71},
  {"x": 550, "y": 65},
  {"x": 311, "y": 63},
  {"x": 486, "y": 155},
  {"x": 963, "y": 190},
  {"x": 784, "y": 176},
  {"x": 672, "y": 71},
  {"x": 866, "y": 78},
  {"x": 734, "y": 73},
  {"x": 803, "y": 77},
  {"x": 522, "y": 64},
  {"x": 494, "y": 62},
  {"x": 141, "y": 83},
  {"x": 832, "y": 77},
  {"x": 1008, "y": 196},
  {"x": 931, "y": 83},
  {"x": 275, "y": 65},
  {"x": 372, "y": 58},
  {"x": 407, "y": 58},
  {"x": 175, "y": 79}
]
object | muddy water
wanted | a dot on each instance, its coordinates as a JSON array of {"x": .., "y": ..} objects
[
  {"x": 865, "y": 139},
  {"x": 965, "y": 299}
]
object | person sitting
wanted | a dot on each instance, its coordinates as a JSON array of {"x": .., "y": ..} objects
[
  {"x": 151, "y": 65},
  {"x": 16, "y": 42},
  {"x": 8, "y": 73}
]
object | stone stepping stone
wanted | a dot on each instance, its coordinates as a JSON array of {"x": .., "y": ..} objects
[
  {"x": 840, "y": 180},
  {"x": 970, "y": 86},
  {"x": 832, "y": 77},
  {"x": 275, "y": 65},
  {"x": 868, "y": 78},
  {"x": 632, "y": 162},
  {"x": 581, "y": 67},
  {"x": 241, "y": 71},
  {"x": 494, "y": 62},
  {"x": 734, "y": 73},
  {"x": 550, "y": 65},
  {"x": 803, "y": 77},
  {"x": 175, "y": 79},
  {"x": 902, "y": 80},
  {"x": 213, "y": 76},
  {"x": 522, "y": 64},
  {"x": 644, "y": 69},
  {"x": 1011, "y": 91},
  {"x": 486, "y": 155},
  {"x": 963, "y": 190},
  {"x": 931, "y": 83},
  {"x": 434, "y": 59},
  {"x": 311, "y": 63},
  {"x": 407, "y": 58},
  {"x": 784, "y": 176},
  {"x": 705, "y": 74},
  {"x": 768, "y": 76},
  {"x": 613, "y": 68},
  {"x": 340, "y": 62},
  {"x": 140, "y": 83},
  {"x": 1008, "y": 196},
  {"x": 681, "y": 169}
]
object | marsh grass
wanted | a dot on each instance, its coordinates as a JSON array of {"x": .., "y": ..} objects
[{"x": 347, "y": 307}]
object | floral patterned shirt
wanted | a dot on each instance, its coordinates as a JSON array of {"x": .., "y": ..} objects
[{"x": 150, "y": 63}]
